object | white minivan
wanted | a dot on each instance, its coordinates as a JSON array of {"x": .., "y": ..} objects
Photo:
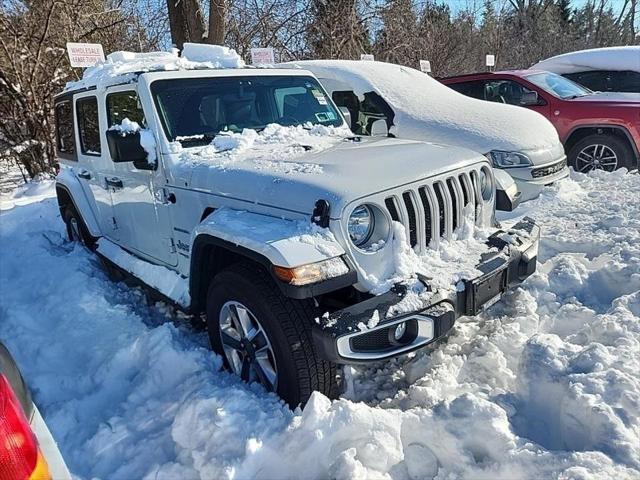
[{"x": 412, "y": 105}]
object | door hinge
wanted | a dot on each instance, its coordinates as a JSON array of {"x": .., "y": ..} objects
[
  {"x": 173, "y": 248},
  {"x": 114, "y": 223}
]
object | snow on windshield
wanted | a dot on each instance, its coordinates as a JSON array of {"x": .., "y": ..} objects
[
  {"x": 425, "y": 109},
  {"x": 609, "y": 58},
  {"x": 276, "y": 148},
  {"x": 545, "y": 384},
  {"x": 120, "y": 66}
]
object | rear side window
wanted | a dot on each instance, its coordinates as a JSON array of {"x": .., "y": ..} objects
[
  {"x": 65, "y": 142},
  {"x": 88, "y": 125},
  {"x": 608, "y": 81},
  {"x": 123, "y": 105}
]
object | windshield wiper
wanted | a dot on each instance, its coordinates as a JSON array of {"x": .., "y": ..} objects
[{"x": 199, "y": 139}]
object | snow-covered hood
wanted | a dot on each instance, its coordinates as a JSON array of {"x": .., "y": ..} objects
[
  {"x": 425, "y": 109},
  {"x": 292, "y": 176},
  {"x": 609, "y": 58}
]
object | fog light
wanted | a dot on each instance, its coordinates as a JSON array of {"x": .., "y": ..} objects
[{"x": 399, "y": 331}]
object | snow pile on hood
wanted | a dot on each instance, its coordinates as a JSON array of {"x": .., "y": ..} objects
[
  {"x": 425, "y": 109},
  {"x": 545, "y": 384},
  {"x": 275, "y": 148},
  {"x": 608, "y": 58},
  {"x": 122, "y": 66}
]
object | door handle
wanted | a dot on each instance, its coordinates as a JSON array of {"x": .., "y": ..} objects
[
  {"x": 114, "y": 182},
  {"x": 84, "y": 174}
]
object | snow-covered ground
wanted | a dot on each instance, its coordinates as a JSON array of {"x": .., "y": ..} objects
[{"x": 546, "y": 384}]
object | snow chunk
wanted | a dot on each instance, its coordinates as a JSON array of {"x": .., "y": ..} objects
[
  {"x": 265, "y": 150},
  {"x": 121, "y": 67}
]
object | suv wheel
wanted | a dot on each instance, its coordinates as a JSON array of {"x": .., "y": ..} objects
[
  {"x": 76, "y": 229},
  {"x": 265, "y": 337},
  {"x": 600, "y": 152}
]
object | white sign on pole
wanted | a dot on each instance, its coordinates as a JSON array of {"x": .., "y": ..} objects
[
  {"x": 262, "y": 56},
  {"x": 366, "y": 56},
  {"x": 425, "y": 66},
  {"x": 491, "y": 61},
  {"x": 84, "y": 54}
]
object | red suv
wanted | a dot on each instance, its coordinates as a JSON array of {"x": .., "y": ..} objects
[{"x": 599, "y": 130}]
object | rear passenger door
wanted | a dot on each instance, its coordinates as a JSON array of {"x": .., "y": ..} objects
[{"x": 93, "y": 161}]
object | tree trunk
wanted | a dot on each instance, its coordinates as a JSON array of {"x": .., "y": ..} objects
[
  {"x": 185, "y": 21},
  {"x": 217, "y": 17}
]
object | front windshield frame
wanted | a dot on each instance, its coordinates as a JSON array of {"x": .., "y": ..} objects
[
  {"x": 562, "y": 87},
  {"x": 334, "y": 118}
]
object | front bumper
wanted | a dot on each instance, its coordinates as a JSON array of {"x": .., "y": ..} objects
[
  {"x": 407, "y": 322},
  {"x": 531, "y": 180}
]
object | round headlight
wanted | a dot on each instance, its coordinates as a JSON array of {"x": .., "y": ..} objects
[
  {"x": 486, "y": 184},
  {"x": 361, "y": 225}
]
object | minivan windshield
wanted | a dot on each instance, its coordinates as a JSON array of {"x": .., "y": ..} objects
[
  {"x": 559, "y": 86},
  {"x": 195, "y": 110}
]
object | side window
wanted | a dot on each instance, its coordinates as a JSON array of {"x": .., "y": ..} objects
[
  {"x": 121, "y": 105},
  {"x": 506, "y": 91},
  {"x": 596, "y": 80},
  {"x": 473, "y": 89},
  {"x": 88, "y": 125},
  {"x": 608, "y": 81},
  {"x": 65, "y": 141}
]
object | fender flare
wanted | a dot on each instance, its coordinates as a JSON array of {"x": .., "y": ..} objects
[
  {"x": 68, "y": 182},
  {"x": 268, "y": 241}
]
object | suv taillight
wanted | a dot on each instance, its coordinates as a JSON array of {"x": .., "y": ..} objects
[{"x": 20, "y": 458}]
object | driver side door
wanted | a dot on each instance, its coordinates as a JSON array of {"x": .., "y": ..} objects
[{"x": 140, "y": 210}]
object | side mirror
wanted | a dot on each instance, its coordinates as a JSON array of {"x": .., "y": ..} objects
[
  {"x": 529, "y": 99},
  {"x": 347, "y": 115},
  {"x": 379, "y": 128},
  {"x": 508, "y": 196},
  {"x": 127, "y": 148}
]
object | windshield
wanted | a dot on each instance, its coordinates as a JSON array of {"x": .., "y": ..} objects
[
  {"x": 194, "y": 110},
  {"x": 558, "y": 86}
]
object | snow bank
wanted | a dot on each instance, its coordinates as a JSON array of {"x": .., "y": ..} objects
[
  {"x": 425, "y": 109},
  {"x": 545, "y": 384},
  {"x": 609, "y": 58},
  {"x": 123, "y": 66},
  {"x": 275, "y": 148}
]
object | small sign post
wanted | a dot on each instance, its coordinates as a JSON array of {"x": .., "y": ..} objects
[
  {"x": 366, "y": 56},
  {"x": 491, "y": 62},
  {"x": 262, "y": 56},
  {"x": 84, "y": 54},
  {"x": 425, "y": 66}
]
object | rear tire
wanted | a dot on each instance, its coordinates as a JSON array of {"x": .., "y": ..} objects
[
  {"x": 76, "y": 229},
  {"x": 286, "y": 324},
  {"x": 600, "y": 152}
]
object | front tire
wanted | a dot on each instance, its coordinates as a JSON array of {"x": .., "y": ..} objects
[
  {"x": 600, "y": 152},
  {"x": 266, "y": 337}
]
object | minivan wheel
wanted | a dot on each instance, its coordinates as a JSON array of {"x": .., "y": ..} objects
[
  {"x": 76, "y": 229},
  {"x": 600, "y": 152},
  {"x": 265, "y": 337}
]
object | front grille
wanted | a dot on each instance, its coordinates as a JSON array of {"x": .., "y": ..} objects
[
  {"x": 550, "y": 170},
  {"x": 434, "y": 207}
]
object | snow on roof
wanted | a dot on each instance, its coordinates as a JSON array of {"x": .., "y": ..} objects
[
  {"x": 609, "y": 58},
  {"x": 124, "y": 66},
  {"x": 425, "y": 109}
]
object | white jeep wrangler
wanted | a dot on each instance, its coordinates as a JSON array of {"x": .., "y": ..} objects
[{"x": 240, "y": 193}]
